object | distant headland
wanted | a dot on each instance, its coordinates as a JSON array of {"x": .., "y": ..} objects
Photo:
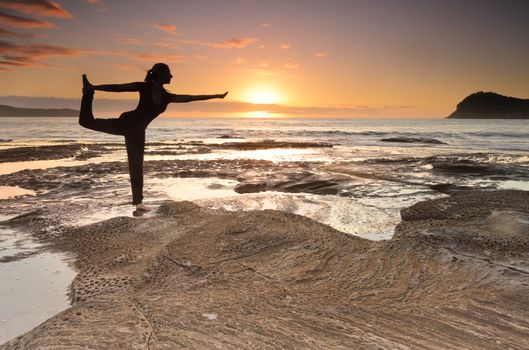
[
  {"x": 490, "y": 105},
  {"x": 9, "y": 111}
]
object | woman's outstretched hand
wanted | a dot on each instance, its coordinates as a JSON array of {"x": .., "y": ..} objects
[{"x": 222, "y": 95}]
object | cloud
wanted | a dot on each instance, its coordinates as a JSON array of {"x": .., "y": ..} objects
[
  {"x": 100, "y": 4},
  {"x": 143, "y": 56},
  {"x": 20, "y": 55},
  {"x": 169, "y": 28},
  {"x": 157, "y": 57},
  {"x": 266, "y": 25},
  {"x": 138, "y": 42},
  {"x": 4, "y": 33},
  {"x": 131, "y": 66},
  {"x": 321, "y": 54},
  {"x": 23, "y": 22},
  {"x": 284, "y": 46},
  {"x": 7, "y": 33},
  {"x": 235, "y": 43},
  {"x": 260, "y": 72},
  {"x": 291, "y": 65},
  {"x": 26, "y": 55},
  {"x": 37, "y": 7}
]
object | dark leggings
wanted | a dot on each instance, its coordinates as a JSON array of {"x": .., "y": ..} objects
[{"x": 134, "y": 139}]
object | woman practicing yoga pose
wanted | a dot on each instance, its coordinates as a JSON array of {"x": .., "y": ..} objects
[{"x": 153, "y": 101}]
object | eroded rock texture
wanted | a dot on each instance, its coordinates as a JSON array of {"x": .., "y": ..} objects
[{"x": 455, "y": 276}]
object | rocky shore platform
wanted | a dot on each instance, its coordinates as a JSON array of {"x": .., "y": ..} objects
[{"x": 454, "y": 276}]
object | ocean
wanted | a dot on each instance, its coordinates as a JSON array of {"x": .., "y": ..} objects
[{"x": 475, "y": 134}]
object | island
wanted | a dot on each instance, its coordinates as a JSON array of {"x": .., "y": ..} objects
[
  {"x": 10, "y": 111},
  {"x": 490, "y": 105}
]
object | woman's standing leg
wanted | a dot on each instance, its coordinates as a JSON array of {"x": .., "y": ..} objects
[{"x": 135, "y": 141}]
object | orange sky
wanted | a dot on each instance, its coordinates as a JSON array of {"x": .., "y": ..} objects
[{"x": 338, "y": 58}]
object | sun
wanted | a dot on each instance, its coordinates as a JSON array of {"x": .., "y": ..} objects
[{"x": 263, "y": 97}]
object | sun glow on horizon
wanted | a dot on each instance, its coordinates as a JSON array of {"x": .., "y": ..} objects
[
  {"x": 262, "y": 96},
  {"x": 261, "y": 115}
]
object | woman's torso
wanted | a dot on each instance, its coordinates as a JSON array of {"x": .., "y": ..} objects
[{"x": 147, "y": 109}]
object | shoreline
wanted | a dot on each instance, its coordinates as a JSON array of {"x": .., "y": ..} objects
[{"x": 199, "y": 278}]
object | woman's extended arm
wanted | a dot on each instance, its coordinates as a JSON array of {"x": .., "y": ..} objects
[
  {"x": 119, "y": 87},
  {"x": 190, "y": 98}
]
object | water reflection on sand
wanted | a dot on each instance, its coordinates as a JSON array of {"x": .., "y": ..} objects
[{"x": 34, "y": 283}]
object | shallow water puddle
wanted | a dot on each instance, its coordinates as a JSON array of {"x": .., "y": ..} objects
[
  {"x": 33, "y": 288},
  {"x": 7, "y": 192},
  {"x": 514, "y": 185},
  {"x": 13, "y": 167},
  {"x": 368, "y": 220},
  {"x": 158, "y": 190},
  {"x": 272, "y": 154},
  {"x": 190, "y": 189}
]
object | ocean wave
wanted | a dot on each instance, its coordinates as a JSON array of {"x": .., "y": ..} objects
[{"x": 510, "y": 134}]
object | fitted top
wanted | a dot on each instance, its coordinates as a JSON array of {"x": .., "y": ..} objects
[{"x": 146, "y": 110}]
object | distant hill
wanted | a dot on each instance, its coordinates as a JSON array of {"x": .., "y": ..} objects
[
  {"x": 489, "y": 105},
  {"x": 9, "y": 111}
]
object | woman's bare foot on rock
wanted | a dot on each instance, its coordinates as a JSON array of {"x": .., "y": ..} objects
[{"x": 143, "y": 207}]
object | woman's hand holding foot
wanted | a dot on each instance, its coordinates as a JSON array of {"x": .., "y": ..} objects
[{"x": 88, "y": 88}]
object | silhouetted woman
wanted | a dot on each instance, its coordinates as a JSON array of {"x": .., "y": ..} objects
[{"x": 153, "y": 101}]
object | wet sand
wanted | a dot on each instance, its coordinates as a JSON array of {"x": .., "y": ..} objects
[{"x": 455, "y": 275}]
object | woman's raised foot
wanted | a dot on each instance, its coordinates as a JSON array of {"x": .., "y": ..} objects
[{"x": 87, "y": 87}]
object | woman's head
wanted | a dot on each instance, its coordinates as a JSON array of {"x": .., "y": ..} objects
[{"x": 160, "y": 72}]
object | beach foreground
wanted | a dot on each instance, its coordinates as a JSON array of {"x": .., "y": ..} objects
[{"x": 455, "y": 275}]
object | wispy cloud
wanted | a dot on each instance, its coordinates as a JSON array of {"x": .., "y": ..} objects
[
  {"x": 169, "y": 28},
  {"x": 138, "y": 42},
  {"x": 37, "y": 7},
  {"x": 7, "y": 33},
  {"x": 235, "y": 43},
  {"x": 146, "y": 56},
  {"x": 23, "y": 22},
  {"x": 291, "y": 65},
  {"x": 157, "y": 57},
  {"x": 260, "y": 72},
  {"x": 100, "y": 4},
  {"x": 131, "y": 66},
  {"x": 285, "y": 46},
  {"x": 321, "y": 54},
  {"x": 21, "y": 55},
  {"x": 266, "y": 24},
  {"x": 4, "y": 33}
]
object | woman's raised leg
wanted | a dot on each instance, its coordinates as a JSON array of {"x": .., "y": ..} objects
[{"x": 86, "y": 116}]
